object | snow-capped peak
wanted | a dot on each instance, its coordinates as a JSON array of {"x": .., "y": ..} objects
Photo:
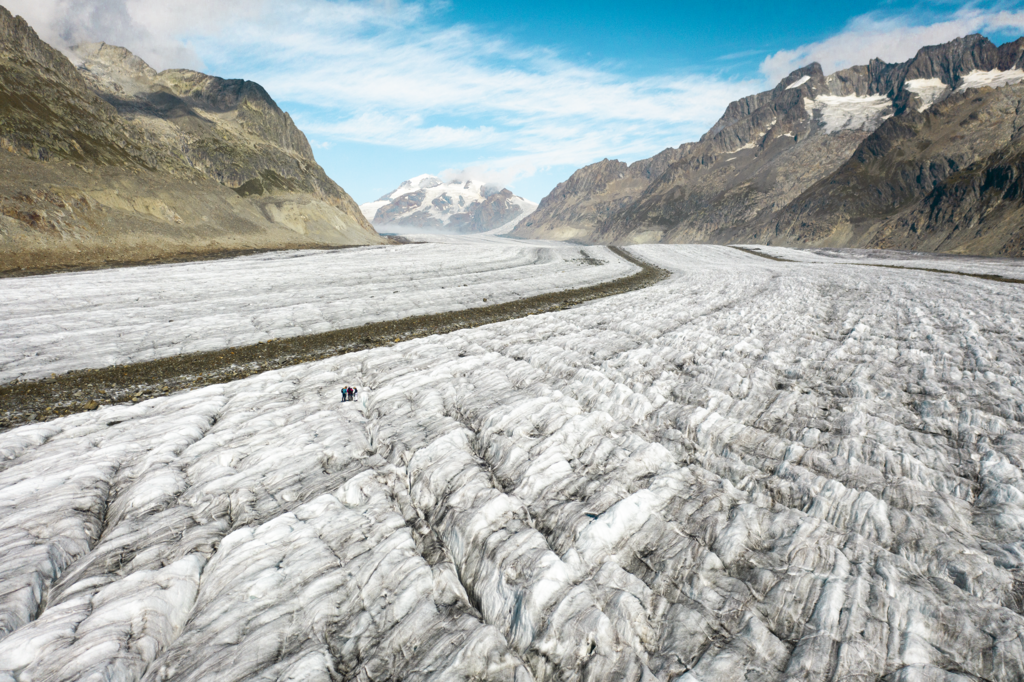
[
  {"x": 463, "y": 205},
  {"x": 424, "y": 181}
]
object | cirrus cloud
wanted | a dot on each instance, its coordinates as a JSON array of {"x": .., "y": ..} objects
[
  {"x": 399, "y": 74},
  {"x": 894, "y": 38},
  {"x": 385, "y": 73}
]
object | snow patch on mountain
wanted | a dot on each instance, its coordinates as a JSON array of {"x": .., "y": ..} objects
[
  {"x": 850, "y": 112},
  {"x": 991, "y": 79},
  {"x": 932, "y": 90},
  {"x": 797, "y": 83},
  {"x": 928, "y": 90},
  {"x": 369, "y": 209}
]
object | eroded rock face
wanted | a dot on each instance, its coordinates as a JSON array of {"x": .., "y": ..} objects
[
  {"x": 755, "y": 470},
  {"x": 231, "y": 129},
  {"x": 883, "y": 155},
  {"x": 578, "y": 206},
  {"x": 219, "y": 155}
]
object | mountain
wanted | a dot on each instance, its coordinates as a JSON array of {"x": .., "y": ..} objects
[
  {"x": 923, "y": 155},
  {"x": 466, "y": 206},
  {"x": 576, "y": 207},
  {"x": 111, "y": 162}
]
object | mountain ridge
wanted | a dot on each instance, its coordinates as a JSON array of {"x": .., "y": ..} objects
[
  {"x": 817, "y": 160},
  {"x": 110, "y": 161},
  {"x": 465, "y": 206}
]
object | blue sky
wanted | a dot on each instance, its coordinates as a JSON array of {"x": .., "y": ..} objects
[{"x": 519, "y": 94}]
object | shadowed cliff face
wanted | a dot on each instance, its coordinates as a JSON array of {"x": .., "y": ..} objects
[
  {"x": 862, "y": 157},
  {"x": 112, "y": 161},
  {"x": 578, "y": 206}
]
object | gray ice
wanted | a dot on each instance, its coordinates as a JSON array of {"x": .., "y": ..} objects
[{"x": 754, "y": 470}]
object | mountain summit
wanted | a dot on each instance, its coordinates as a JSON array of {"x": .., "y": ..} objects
[
  {"x": 466, "y": 206},
  {"x": 925, "y": 155},
  {"x": 113, "y": 162}
]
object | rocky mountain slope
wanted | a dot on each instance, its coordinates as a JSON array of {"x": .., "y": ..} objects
[
  {"x": 111, "y": 161},
  {"x": 921, "y": 155},
  {"x": 467, "y": 206},
  {"x": 576, "y": 207}
]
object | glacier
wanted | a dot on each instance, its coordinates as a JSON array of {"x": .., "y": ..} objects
[
  {"x": 928, "y": 90},
  {"x": 1010, "y": 268},
  {"x": 995, "y": 78},
  {"x": 850, "y": 112},
  {"x": 62, "y": 322},
  {"x": 754, "y": 470}
]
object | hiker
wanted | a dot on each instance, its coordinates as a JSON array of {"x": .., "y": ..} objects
[
  {"x": 344, "y": 393},
  {"x": 352, "y": 390}
]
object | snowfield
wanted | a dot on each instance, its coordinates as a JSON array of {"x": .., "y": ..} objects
[
  {"x": 991, "y": 79},
  {"x": 754, "y": 470},
  {"x": 849, "y": 112},
  {"x": 58, "y": 323},
  {"x": 928, "y": 90}
]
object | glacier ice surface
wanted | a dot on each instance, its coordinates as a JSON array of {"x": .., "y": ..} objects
[
  {"x": 991, "y": 79},
  {"x": 1012, "y": 268},
  {"x": 850, "y": 112},
  {"x": 754, "y": 470},
  {"x": 928, "y": 90},
  {"x": 61, "y": 322}
]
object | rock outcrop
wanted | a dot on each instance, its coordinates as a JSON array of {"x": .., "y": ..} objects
[
  {"x": 920, "y": 155},
  {"x": 576, "y": 207},
  {"x": 465, "y": 206},
  {"x": 112, "y": 162}
]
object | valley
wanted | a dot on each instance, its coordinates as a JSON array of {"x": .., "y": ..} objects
[
  {"x": 731, "y": 474},
  {"x": 750, "y": 409}
]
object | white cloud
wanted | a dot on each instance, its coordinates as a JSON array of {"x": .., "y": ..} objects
[
  {"x": 387, "y": 73},
  {"x": 394, "y": 73},
  {"x": 407, "y": 132},
  {"x": 152, "y": 30},
  {"x": 414, "y": 86},
  {"x": 889, "y": 38}
]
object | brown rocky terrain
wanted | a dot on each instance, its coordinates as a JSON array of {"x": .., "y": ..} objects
[
  {"x": 112, "y": 162},
  {"x": 945, "y": 179},
  {"x": 576, "y": 207},
  {"x": 922, "y": 155}
]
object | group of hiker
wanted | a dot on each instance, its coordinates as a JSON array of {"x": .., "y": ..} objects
[{"x": 348, "y": 393}]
